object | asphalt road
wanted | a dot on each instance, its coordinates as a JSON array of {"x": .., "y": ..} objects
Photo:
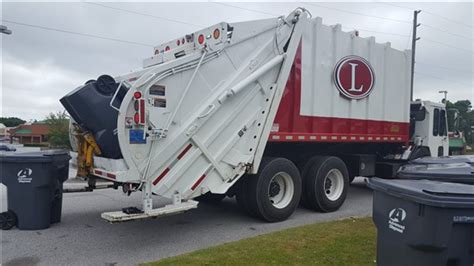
[{"x": 83, "y": 238}]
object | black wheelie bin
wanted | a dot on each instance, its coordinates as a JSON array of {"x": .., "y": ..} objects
[
  {"x": 456, "y": 169},
  {"x": 423, "y": 222},
  {"x": 89, "y": 105},
  {"x": 34, "y": 182}
]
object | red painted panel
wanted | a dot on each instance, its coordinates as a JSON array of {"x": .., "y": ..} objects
[{"x": 294, "y": 127}]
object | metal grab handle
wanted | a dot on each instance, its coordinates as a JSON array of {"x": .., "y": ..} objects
[
  {"x": 115, "y": 95},
  {"x": 211, "y": 108}
]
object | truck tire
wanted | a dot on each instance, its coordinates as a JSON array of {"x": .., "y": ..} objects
[
  {"x": 325, "y": 183},
  {"x": 273, "y": 194},
  {"x": 210, "y": 198}
]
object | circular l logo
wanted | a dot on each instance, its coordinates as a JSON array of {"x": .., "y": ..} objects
[{"x": 354, "y": 77}]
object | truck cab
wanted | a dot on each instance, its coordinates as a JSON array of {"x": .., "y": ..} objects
[{"x": 428, "y": 129}]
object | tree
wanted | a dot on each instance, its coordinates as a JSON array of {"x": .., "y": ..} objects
[
  {"x": 58, "y": 135},
  {"x": 11, "y": 121},
  {"x": 466, "y": 117}
]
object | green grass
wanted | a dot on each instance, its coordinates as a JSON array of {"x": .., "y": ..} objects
[{"x": 344, "y": 242}]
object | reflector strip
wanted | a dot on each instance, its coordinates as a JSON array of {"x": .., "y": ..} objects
[
  {"x": 184, "y": 151},
  {"x": 142, "y": 111},
  {"x": 104, "y": 174},
  {"x": 198, "y": 182},
  {"x": 161, "y": 176},
  {"x": 181, "y": 155},
  {"x": 282, "y": 137}
]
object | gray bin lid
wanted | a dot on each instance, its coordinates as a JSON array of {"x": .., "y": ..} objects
[
  {"x": 432, "y": 193},
  {"x": 33, "y": 157}
]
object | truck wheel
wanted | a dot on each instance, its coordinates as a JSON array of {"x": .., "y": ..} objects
[
  {"x": 274, "y": 192},
  {"x": 242, "y": 196},
  {"x": 210, "y": 198},
  {"x": 325, "y": 182}
]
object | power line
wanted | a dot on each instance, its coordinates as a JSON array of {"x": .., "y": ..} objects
[
  {"x": 450, "y": 80},
  {"x": 142, "y": 14},
  {"x": 75, "y": 33},
  {"x": 354, "y": 28},
  {"x": 448, "y": 45},
  {"x": 430, "y": 13},
  {"x": 448, "y": 19},
  {"x": 446, "y": 31},
  {"x": 445, "y": 67},
  {"x": 247, "y": 9},
  {"x": 397, "y": 20},
  {"x": 360, "y": 14},
  {"x": 433, "y": 27},
  {"x": 390, "y": 4}
]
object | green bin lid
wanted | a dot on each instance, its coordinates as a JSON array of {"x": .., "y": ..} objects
[{"x": 456, "y": 143}]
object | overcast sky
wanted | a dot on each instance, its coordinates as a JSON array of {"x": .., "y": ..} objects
[{"x": 40, "y": 66}]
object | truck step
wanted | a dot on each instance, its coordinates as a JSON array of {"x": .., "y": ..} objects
[{"x": 120, "y": 216}]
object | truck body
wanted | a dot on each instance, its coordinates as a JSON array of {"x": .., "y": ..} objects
[
  {"x": 270, "y": 111},
  {"x": 313, "y": 107}
]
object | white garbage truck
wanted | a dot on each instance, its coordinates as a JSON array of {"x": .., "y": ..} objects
[{"x": 272, "y": 111}]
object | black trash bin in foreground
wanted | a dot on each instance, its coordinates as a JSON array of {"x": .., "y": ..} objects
[
  {"x": 456, "y": 169},
  {"x": 34, "y": 182},
  {"x": 423, "y": 222}
]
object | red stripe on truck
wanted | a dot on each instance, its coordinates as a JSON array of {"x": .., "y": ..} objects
[
  {"x": 198, "y": 182},
  {"x": 181, "y": 155},
  {"x": 161, "y": 176},
  {"x": 142, "y": 111}
]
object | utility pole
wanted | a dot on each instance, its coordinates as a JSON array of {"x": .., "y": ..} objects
[
  {"x": 5, "y": 30},
  {"x": 413, "y": 48}
]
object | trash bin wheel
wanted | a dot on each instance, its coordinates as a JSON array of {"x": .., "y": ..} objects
[
  {"x": 273, "y": 193},
  {"x": 325, "y": 183},
  {"x": 7, "y": 220}
]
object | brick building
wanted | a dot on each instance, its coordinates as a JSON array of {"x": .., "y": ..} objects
[{"x": 30, "y": 133}]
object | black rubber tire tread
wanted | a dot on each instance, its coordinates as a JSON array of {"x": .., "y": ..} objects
[
  {"x": 242, "y": 195},
  {"x": 210, "y": 198},
  {"x": 256, "y": 190},
  {"x": 314, "y": 174},
  {"x": 303, "y": 166}
]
